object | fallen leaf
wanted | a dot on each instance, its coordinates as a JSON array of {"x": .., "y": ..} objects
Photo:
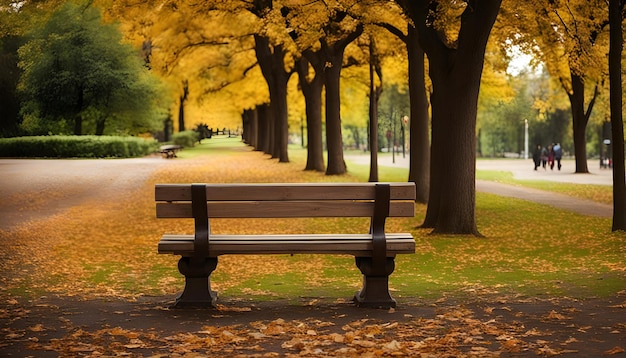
[{"x": 614, "y": 350}]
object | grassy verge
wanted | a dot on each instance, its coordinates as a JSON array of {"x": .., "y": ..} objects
[
  {"x": 599, "y": 193},
  {"x": 108, "y": 247}
]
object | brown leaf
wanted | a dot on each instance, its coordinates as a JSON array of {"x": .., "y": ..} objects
[{"x": 614, "y": 350}]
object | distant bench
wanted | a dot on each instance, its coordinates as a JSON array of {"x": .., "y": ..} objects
[
  {"x": 169, "y": 151},
  {"x": 374, "y": 252}
]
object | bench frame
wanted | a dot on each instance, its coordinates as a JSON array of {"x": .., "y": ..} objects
[
  {"x": 169, "y": 151},
  {"x": 200, "y": 260}
]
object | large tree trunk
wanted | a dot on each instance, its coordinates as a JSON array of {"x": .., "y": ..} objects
[
  {"x": 419, "y": 164},
  {"x": 375, "y": 92},
  {"x": 455, "y": 74},
  {"x": 617, "y": 122},
  {"x": 312, "y": 91}
]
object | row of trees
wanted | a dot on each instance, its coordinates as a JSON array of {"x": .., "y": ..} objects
[{"x": 219, "y": 53}]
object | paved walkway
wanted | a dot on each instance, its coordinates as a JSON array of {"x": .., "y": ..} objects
[
  {"x": 32, "y": 189},
  {"x": 523, "y": 170}
]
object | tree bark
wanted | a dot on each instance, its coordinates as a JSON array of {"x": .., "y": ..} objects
[
  {"x": 78, "y": 117},
  {"x": 334, "y": 137},
  {"x": 271, "y": 61},
  {"x": 181, "y": 106},
  {"x": 375, "y": 92},
  {"x": 455, "y": 73},
  {"x": 100, "y": 126},
  {"x": 312, "y": 91},
  {"x": 617, "y": 121},
  {"x": 332, "y": 74},
  {"x": 580, "y": 118},
  {"x": 263, "y": 139},
  {"x": 419, "y": 160}
]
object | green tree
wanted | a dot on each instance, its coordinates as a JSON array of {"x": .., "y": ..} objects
[{"x": 78, "y": 73}]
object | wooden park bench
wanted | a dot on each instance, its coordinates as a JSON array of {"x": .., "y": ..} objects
[
  {"x": 374, "y": 252},
  {"x": 169, "y": 151}
]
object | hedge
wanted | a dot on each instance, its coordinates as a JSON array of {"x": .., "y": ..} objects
[{"x": 76, "y": 147}]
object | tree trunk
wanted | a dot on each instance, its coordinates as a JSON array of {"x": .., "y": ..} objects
[
  {"x": 271, "y": 61},
  {"x": 332, "y": 74},
  {"x": 375, "y": 92},
  {"x": 579, "y": 121},
  {"x": 100, "y": 126},
  {"x": 312, "y": 91},
  {"x": 263, "y": 138},
  {"x": 419, "y": 157},
  {"x": 334, "y": 137},
  {"x": 617, "y": 122},
  {"x": 279, "y": 101},
  {"x": 455, "y": 74},
  {"x": 78, "y": 118},
  {"x": 181, "y": 108}
]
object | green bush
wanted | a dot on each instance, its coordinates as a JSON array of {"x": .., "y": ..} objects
[
  {"x": 185, "y": 138},
  {"x": 76, "y": 147}
]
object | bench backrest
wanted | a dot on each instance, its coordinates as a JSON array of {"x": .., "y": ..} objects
[{"x": 291, "y": 200}]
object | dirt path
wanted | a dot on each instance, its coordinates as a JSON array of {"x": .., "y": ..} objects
[{"x": 32, "y": 189}]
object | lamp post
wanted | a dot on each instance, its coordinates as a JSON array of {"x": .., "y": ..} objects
[
  {"x": 393, "y": 144},
  {"x": 405, "y": 120},
  {"x": 525, "y": 138}
]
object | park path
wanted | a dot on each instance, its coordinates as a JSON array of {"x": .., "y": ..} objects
[
  {"x": 523, "y": 170},
  {"x": 32, "y": 189}
]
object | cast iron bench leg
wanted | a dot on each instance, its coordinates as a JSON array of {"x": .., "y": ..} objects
[
  {"x": 197, "y": 292},
  {"x": 375, "y": 290}
]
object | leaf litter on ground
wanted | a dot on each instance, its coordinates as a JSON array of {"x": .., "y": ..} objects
[{"x": 105, "y": 247}]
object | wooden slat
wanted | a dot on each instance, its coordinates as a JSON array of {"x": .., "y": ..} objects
[
  {"x": 284, "y": 191},
  {"x": 284, "y": 209},
  {"x": 352, "y": 244}
]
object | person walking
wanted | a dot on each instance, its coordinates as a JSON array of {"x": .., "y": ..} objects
[
  {"x": 558, "y": 154},
  {"x": 537, "y": 156},
  {"x": 544, "y": 157},
  {"x": 551, "y": 156}
]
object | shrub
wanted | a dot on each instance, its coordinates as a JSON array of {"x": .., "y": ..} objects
[
  {"x": 76, "y": 147},
  {"x": 185, "y": 138}
]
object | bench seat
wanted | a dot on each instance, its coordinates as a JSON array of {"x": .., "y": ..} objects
[{"x": 350, "y": 244}]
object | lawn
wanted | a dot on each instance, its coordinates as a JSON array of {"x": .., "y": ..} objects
[{"x": 108, "y": 247}]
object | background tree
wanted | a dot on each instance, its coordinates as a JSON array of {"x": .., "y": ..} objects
[
  {"x": 570, "y": 39},
  {"x": 311, "y": 85},
  {"x": 16, "y": 19},
  {"x": 77, "y": 69}
]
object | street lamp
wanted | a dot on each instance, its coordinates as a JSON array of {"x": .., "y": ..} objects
[
  {"x": 525, "y": 138},
  {"x": 405, "y": 120}
]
